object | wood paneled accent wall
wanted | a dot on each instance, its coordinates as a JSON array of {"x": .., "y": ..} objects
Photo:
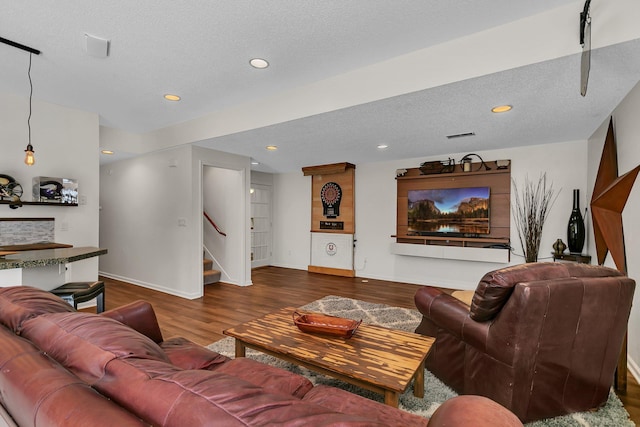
[
  {"x": 499, "y": 181},
  {"x": 342, "y": 174}
]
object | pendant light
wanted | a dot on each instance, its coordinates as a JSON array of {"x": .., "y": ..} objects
[{"x": 29, "y": 159}]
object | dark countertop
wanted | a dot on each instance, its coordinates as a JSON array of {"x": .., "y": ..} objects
[{"x": 46, "y": 257}]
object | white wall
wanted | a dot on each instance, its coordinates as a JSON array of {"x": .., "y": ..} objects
[
  {"x": 66, "y": 145},
  {"x": 627, "y": 132},
  {"x": 291, "y": 220},
  {"x": 565, "y": 166},
  {"x": 151, "y": 219},
  {"x": 142, "y": 201}
]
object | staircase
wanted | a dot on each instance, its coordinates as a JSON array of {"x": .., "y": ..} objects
[{"x": 209, "y": 274}]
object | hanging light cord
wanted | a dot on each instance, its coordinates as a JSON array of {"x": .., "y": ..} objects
[{"x": 30, "y": 96}]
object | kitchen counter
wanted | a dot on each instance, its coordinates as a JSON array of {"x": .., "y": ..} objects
[
  {"x": 34, "y": 246},
  {"x": 48, "y": 257}
]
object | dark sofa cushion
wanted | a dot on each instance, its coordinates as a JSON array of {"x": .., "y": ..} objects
[
  {"x": 40, "y": 392},
  {"x": 85, "y": 343},
  {"x": 270, "y": 378},
  {"x": 495, "y": 287},
  {"x": 186, "y": 354},
  {"x": 199, "y": 398},
  {"x": 21, "y": 303}
]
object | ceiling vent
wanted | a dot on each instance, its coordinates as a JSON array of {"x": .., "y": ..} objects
[{"x": 461, "y": 135}]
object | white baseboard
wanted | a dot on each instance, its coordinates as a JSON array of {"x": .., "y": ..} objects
[
  {"x": 633, "y": 368},
  {"x": 153, "y": 286}
]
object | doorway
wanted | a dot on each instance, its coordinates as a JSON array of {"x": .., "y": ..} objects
[{"x": 261, "y": 236}]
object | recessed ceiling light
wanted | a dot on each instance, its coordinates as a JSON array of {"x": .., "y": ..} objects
[
  {"x": 259, "y": 63},
  {"x": 253, "y": 162},
  {"x": 107, "y": 152},
  {"x": 171, "y": 97},
  {"x": 382, "y": 146},
  {"x": 501, "y": 109},
  {"x": 271, "y": 147}
]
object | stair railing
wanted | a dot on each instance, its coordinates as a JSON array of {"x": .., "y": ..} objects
[{"x": 220, "y": 232}]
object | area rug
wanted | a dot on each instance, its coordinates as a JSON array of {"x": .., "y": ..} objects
[{"x": 436, "y": 392}]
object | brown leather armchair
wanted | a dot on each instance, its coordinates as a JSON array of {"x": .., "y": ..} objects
[{"x": 542, "y": 339}]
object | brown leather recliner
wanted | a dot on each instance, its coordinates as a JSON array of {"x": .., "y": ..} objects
[{"x": 542, "y": 339}]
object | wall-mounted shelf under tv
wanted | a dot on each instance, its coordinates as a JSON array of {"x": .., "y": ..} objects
[{"x": 7, "y": 202}]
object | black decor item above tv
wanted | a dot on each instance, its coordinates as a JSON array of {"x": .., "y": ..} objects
[{"x": 449, "y": 211}]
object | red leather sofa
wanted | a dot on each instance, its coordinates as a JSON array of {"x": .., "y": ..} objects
[
  {"x": 59, "y": 367},
  {"x": 541, "y": 339}
]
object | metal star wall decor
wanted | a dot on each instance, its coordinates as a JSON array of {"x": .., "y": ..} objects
[{"x": 610, "y": 194}]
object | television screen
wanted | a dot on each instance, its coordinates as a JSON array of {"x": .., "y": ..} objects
[{"x": 448, "y": 210}]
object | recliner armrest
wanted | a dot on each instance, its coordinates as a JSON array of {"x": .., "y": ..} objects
[
  {"x": 452, "y": 315},
  {"x": 138, "y": 315}
]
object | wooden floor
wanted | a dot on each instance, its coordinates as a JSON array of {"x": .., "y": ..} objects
[{"x": 223, "y": 305}]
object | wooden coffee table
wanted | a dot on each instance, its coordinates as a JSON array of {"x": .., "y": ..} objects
[{"x": 378, "y": 359}]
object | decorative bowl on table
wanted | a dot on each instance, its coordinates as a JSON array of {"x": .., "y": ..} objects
[{"x": 323, "y": 324}]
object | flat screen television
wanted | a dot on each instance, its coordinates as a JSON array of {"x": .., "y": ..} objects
[{"x": 448, "y": 211}]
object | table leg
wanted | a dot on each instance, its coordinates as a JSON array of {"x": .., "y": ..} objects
[
  {"x": 418, "y": 382},
  {"x": 240, "y": 348},
  {"x": 391, "y": 398}
]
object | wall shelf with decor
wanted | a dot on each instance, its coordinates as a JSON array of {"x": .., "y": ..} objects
[
  {"x": 481, "y": 223},
  {"x": 7, "y": 202}
]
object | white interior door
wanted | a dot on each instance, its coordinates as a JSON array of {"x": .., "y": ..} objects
[{"x": 260, "y": 225}]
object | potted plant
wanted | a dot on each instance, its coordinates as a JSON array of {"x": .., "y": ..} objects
[{"x": 532, "y": 203}]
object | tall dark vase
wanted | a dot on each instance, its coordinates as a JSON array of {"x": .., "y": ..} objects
[{"x": 575, "y": 229}]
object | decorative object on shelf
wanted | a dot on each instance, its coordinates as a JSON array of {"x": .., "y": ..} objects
[
  {"x": 401, "y": 172},
  {"x": 559, "y": 247},
  {"x": 55, "y": 190},
  {"x": 10, "y": 190},
  {"x": 610, "y": 194},
  {"x": 437, "y": 166},
  {"x": 466, "y": 162},
  {"x": 575, "y": 228},
  {"x": 503, "y": 164},
  {"x": 529, "y": 211}
]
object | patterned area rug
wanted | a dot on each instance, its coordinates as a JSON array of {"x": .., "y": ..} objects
[{"x": 436, "y": 392}]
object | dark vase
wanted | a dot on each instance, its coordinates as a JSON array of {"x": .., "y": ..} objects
[{"x": 575, "y": 229}]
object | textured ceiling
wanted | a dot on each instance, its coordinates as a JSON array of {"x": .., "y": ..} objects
[{"x": 200, "y": 50}]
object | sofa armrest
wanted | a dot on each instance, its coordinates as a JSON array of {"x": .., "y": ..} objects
[
  {"x": 470, "y": 410},
  {"x": 452, "y": 315},
  {"x": 138, "y": 315}
]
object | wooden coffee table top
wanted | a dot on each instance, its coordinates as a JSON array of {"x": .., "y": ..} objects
[{"x": 376, "y": 356}]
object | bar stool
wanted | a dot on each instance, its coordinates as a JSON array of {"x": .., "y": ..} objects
[{"x": 77, "y": 292}]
